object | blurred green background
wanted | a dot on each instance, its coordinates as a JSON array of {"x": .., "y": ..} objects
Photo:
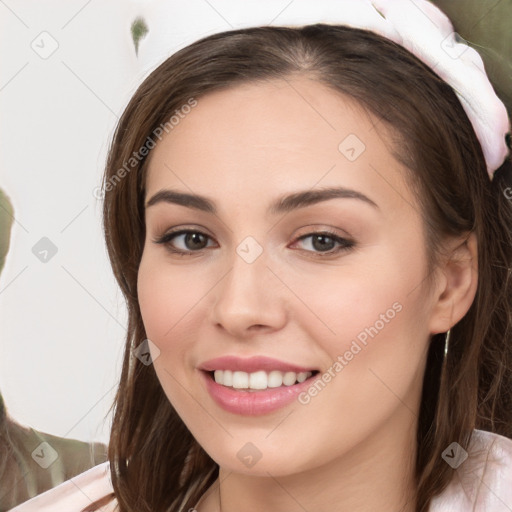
[{"x": 487, "y": 26}]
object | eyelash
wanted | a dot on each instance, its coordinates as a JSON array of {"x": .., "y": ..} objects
[{"x": 346, "y": 244}]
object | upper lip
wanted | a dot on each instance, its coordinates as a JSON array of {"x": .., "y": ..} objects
[{"x": 251, "y": 364}]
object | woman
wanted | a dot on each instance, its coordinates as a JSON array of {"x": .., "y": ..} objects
[{"x": 316, "y": 257}]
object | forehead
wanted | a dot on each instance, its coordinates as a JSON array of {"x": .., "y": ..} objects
[{"x": 273, "y": 136}]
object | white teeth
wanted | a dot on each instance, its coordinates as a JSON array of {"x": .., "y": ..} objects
[
  {"x": 302, "y": 376},
  {"x": 240, "y": 380},
  {"x": 257, "y": 380},
  {"x": 274, "y": 379},
  {"x": 289, "y": 378},
  {"x": 260, "y": 379},
  {"x": 227, "y": 377}
]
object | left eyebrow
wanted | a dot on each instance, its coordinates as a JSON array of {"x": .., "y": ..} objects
[
  {"x": 309, "y": 197},
  {"x": 283, "y": 204}
]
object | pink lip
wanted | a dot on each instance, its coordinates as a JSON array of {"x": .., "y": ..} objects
[
  {"x": 253, "y": 403},
  {"x": 251, "y": 364}
]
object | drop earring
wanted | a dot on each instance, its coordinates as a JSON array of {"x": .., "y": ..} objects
[{"x": 446, "y": 343}]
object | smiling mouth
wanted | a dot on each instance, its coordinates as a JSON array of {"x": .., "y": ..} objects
[{"x": 260, "y": 380}]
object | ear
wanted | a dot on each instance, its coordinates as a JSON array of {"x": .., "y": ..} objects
[{"x": 456, "y": 287}]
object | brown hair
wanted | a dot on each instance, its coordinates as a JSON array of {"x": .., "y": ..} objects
[{"x": 433, "y": 137}]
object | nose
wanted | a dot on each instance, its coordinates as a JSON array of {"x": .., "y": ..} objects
[{"x": 249, "y": 299}]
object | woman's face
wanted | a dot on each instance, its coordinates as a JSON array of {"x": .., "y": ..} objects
[{"x": 252, "y": 279}]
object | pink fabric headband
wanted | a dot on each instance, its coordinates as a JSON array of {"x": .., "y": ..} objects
[{"x": 417, "y": 25}]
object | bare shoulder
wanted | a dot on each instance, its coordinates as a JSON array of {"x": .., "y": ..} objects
[{"x": 75, "y": 494}]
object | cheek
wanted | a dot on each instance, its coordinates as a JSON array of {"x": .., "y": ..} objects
[
  {"x": 372, "y": 322},
  {"x": 374, "y": 374},
  {"x": 167, "y": 296},
  {"x": 173, "y": 300},
  {"x": 169, "y": 301},
  {"x": 377, "y": 298}
]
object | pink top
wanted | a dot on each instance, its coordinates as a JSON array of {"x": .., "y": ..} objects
[{"x": 482, "y": 482}]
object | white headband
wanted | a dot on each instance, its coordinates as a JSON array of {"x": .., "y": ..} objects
[{"x": 417, "y": 25}]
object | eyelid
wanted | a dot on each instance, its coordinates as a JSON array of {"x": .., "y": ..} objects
[{"x": 313, "y": 229}]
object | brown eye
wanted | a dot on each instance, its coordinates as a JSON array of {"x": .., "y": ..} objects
[
  {"x": 325, "y": 242},
  {"x": 191, "y": 241},
  {"x": 195, "y": 240}
]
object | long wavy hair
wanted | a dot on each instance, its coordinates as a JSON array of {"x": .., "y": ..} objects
[{"x": 156, "y": 464}]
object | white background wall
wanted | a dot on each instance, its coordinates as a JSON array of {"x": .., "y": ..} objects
[{"x": 61, "y": 321}]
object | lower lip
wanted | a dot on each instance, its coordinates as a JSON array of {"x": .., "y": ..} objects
[{"x": 253, "y": 403}]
